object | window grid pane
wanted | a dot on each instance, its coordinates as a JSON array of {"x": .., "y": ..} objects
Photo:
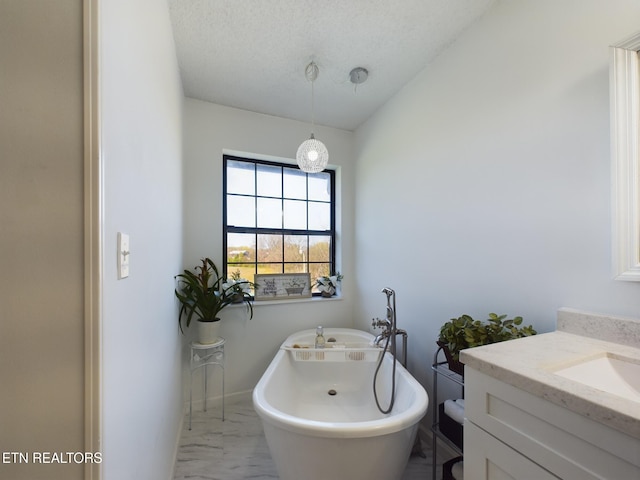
[
  {"x": 269, "y": 213},
  {"x": 319, "y": 216},
  {"x": 241, "y": 248},
  {"x": 240, "y": 177},
  {"x": 295, "y": 215},
  {"x": 295, "y": 184},
  {"x": 320, "y": 187},
  {"x": 269, "y": 181}
]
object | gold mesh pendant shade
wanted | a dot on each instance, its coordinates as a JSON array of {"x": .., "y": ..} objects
[{"x": 312, "y": 155}]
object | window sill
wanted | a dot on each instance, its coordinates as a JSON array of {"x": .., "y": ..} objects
[{"x": 285, "y": 302}]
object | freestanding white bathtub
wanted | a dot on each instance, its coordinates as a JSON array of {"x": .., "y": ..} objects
[{"x": 319, "y": 414}]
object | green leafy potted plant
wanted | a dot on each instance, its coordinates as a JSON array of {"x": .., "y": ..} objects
[
  {"x": 238, "y": 288},
  {"x": 202, "y": 296},
  {"x": 465, "y": 332},
  {"x": 328, "y": 285}
]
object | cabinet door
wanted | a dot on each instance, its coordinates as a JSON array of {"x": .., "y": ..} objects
[
  {"x": 489, "y": 459},
  {"x": 571, "y": 446}
]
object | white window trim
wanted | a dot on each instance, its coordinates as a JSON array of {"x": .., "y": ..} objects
[{"x": 625, "y": 122}]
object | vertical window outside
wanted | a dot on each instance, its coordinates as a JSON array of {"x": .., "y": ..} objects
[{"x": 277, "y": 219}]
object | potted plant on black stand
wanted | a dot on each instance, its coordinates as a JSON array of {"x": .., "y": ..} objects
[
  {"x": 202, "y": 296},
  {"x": 465, "y": 332}
]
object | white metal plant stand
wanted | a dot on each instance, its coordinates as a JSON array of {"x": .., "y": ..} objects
[{"x": 203, "y": 355}]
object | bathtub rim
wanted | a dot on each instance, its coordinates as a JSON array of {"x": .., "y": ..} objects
[
  {"x": 391, "y": 423},
  {"x": 329, "y": 332}
]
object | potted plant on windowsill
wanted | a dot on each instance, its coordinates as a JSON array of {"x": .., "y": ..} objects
[
  {"x": 238, "y": 288},
  {"x": 202, "y": 296},
  {"x": 465, "y": 332},
  {"x": 328, "y": 285}
]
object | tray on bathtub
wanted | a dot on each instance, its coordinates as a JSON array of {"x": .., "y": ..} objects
[{"x": 334, "y": 353}]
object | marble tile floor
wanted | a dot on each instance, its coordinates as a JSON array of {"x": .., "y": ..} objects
[{"x": 236, "y": 449}]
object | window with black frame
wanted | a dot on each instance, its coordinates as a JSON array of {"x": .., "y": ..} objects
[{"x": 277, "y": 219}]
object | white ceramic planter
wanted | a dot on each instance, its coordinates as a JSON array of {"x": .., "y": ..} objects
[{"x": 208, "y": 332}]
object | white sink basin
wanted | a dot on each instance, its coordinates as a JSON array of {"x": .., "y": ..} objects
[{"x": 610, "y": 373}]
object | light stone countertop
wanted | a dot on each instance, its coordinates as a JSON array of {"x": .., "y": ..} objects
[{"x": 528, "y": 363}]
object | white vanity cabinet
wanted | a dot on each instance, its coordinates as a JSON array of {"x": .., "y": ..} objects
[
  {"x": 510, "y": 433},
  {"x": 490, "y": 459}
]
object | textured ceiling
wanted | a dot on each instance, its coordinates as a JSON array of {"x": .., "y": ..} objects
[{"x": 251, "y": 54}]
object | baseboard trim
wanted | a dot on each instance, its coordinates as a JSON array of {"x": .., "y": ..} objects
[
  {"x": 176, "y": 447},
  {"x": 216, "y": 401}
]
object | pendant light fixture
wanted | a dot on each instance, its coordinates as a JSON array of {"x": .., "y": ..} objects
[{"x": 312, "y": 155}]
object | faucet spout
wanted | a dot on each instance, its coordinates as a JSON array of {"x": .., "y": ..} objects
[{"x": 379, "y": 338}]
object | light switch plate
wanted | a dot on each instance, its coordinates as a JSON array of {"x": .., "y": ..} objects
[{"x": 123, "y": 255}]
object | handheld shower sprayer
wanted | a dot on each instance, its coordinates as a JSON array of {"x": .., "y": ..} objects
[
  {"x": 390, "y": 336},
  {"x": 391, "y": 316}
]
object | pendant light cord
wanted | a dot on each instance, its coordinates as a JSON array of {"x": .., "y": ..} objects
[
  {"x": 313, "y": 110},
  {"x": 311, "y": 72}
]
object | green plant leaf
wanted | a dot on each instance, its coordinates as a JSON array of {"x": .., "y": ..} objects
[
  {"x": 200, "y": 294},
  {"x": 464, "y": 332}
]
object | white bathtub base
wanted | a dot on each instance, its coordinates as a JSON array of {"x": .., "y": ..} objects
[{"x": 321, "y": 458}]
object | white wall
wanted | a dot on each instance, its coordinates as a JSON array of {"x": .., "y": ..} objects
[
  {"x": 495, "y": 160},
  {"x": 41, "y": 235},
  {"x": 141, "y": 124},
  {"x": 209, "y": 129}
]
